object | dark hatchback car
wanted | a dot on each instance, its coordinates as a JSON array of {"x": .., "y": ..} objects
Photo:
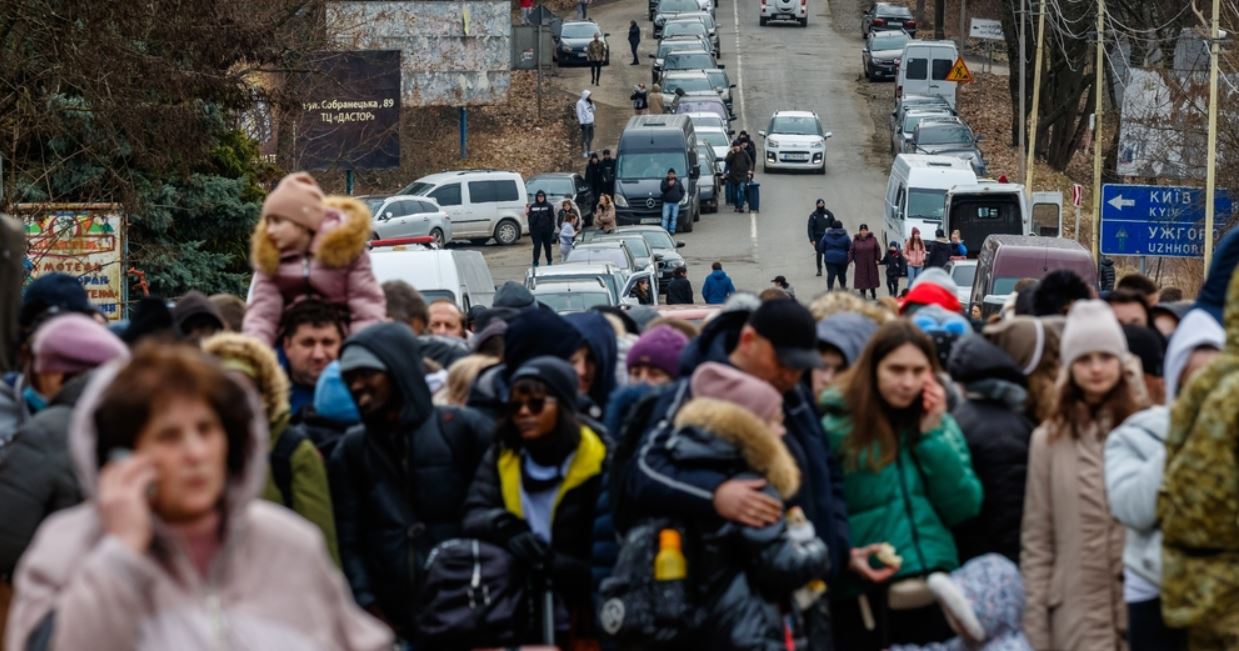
[
  {"x": 883, "y": 16},
  {"x": 572, "y": 42},
  {"x": 561, "y": 185},
  {"x": 882, "y": 52}
]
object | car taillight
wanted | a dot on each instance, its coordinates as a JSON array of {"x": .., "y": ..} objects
[
  {"x": 879, "y": 22},
  {"x": 909, "y": 24},
  {"x": 804, "y": 3}
]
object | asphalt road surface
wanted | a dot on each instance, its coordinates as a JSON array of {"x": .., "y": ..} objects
[{"x": 777, "y": 67}]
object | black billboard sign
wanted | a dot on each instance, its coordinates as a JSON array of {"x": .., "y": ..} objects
[{"x": 350, "y": 111}]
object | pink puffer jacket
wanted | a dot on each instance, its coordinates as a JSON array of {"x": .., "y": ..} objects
[
  {"x": 336, "y": 270},
  {"x": 916, "y": 258},
  {"x": 270, "y": 586}
]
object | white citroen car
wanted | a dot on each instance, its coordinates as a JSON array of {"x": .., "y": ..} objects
[{"x": 795, "y": 141}]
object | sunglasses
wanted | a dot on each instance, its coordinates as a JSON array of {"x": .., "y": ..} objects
[{"x": 535, "y": 405}]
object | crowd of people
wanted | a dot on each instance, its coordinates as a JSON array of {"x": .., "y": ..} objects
[{"x": 339, "y": 464}]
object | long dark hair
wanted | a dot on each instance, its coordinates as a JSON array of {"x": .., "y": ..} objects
[
  {"x": 874, "y": 422},
  {"x": 915, "y": 238},
  {"x": 1072, "y": 413},
  {"x": 567, "y": 427}
]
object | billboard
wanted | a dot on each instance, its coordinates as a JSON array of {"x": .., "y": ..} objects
[
  {"x": 350, "y": 111},
  {"x": 453, "y": 53},
  {"x": 82, "y": 240}
]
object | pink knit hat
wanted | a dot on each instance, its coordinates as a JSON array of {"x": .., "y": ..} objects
[
  {"x": 722, "y": 382},
  {"x": 74, "y": 343},
  {"x": 297, "y": 198}
]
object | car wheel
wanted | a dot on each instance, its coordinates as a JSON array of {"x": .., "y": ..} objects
[
  {"x": 507, "y": 232},
  {"x": 697, "y": 213},
  {"x": 804, "y": 22},
  {"x": 437, "y": 234},
  {"x": 765, "y": 168},
  {"x": 685, "y": 226},
  {"x": 822, "y": 169},
  {"x": 762, "y": 21}
]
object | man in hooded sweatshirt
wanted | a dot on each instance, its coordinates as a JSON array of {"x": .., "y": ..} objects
[
  {"x": 718, "y": 286},
  {"x": 819, "y": 220},
  {"x": 398, "y": 482},
  {"x": 585, "y": 118}
]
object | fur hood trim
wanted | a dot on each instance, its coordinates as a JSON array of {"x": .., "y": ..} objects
[
  {"x": 763, "y": 451},
  {"x": 341, "y": 240},
  {"x": 268, "y": 376}
]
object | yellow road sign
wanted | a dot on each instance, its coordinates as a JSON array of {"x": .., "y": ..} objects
[{"x": 959, "y": 72}]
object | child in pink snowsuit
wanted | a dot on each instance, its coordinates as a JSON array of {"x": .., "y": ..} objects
[{"x": 307, "y": 246}]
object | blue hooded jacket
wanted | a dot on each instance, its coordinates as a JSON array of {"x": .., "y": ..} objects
[
  {"x": 835, "y": 245},
  {"x": 717, "y": 287},
  {"x": 597, "y": 333}
]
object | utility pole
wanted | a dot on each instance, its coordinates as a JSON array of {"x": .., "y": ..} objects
[
  {"x": 1215, "y": 36},
  {"x": 538, "y": 58},
  {"x": 963, "y": 27},
  {"x": 1023, "y": 89},
  {"x": 1036, "y": 103},
  {"x": 1100, "y": 73}
]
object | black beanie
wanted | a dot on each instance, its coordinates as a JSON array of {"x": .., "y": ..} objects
[
  {"x": 557, "y": 375},
  {"x": 535, "y": 333},
  {"x": 1148, "y": 345}
]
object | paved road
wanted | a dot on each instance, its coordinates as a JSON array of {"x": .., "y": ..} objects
[{"x": 776, "y": 67}]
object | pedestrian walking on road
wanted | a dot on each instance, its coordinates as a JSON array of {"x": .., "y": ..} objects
[
  {"x": 834, "y": 246},
  {"x": 819, "y": 220},
  {"x": 680, "y": 290},
  {"x": 172, "y": 455},
  {"x": 915, "y": 253},
  {"x": 593, "y": 176},
  {"x": 896, "y": 266},
  {"x": 541, "y": 219},
  {"x": 596, "y": 53},
  {"x": 607, "y": 167},
  {"x": 865, "y": 253},
  {"x": 582, "y": 9},
  {"x": 672, "y": 192},
  {"x": 585, "y": 118},
  {"x": 634, "y": 39},
  {"x": 655, "y": 100},
  {"x": 718, "y": 286},
  {"x": 640, "y": 99},
  {"x": 738, "y": 166}
]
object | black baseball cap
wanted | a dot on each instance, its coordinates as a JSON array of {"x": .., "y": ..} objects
[{"x": 791, "y": 329}]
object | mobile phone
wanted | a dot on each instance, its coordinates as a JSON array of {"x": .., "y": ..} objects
[{"x": 120, "y": 454}]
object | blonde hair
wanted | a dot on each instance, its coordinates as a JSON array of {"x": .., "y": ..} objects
[
  {"x": 844, "y": 301},
  {"x": 460, "y": 378}
]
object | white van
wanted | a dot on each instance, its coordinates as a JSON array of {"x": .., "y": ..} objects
[
  {"x": 480, "y": 203},
  {"x": 916, "y": 193},
  {"x": 923, "y": 69},
  {"x": 460, "y": 276}
]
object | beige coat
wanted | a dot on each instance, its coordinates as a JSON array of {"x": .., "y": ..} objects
[
  {"x": 1072, "y": 548},
  {"x": 271, "y": 586},
  {"x": 604, "y": 218}
]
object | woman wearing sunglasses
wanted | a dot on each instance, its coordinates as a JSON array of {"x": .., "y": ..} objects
[
  {"x": 535, "y": 491},
  {"x": 907, "y": 478}
]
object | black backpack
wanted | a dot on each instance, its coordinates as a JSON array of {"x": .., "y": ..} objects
[
  {"x": 474, "y": 595},
  {"x": 636, "y": 608}
]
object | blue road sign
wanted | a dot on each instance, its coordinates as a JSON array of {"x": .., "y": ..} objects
[{"x": 1159, "y": 221}]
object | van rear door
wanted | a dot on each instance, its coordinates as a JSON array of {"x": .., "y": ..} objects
[
  {"x": 1047, "y": 214},
  {"x": 978, "y": 215}
]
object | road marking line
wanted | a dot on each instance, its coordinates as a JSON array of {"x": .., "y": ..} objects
[{"x": 735, "y": 17}]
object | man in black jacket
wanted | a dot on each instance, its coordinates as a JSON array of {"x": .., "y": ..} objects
[
  {"x": 399, "y": 481},
  {"x": 939, "y": 251},
  {"x": 541, "y": 217},
  {"x": 679, "y": 290},
  {"x": 608, "y": 174},
  {"x": 672, "y": 192},
  {"x": 819, "y": 220}
]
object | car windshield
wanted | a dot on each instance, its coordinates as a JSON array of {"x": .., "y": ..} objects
[
  {"x": 894, "y": 10},
  {"x": 963, "y": 274},
  {"x": 700, "y": 106},
  {"x": 572, "y": 301},
  {"x": 665, "y": 48},
  {"x": 718, "y": 79},
  {"x": 649, "y": 164},
  {"x": 579, "y": 30},
  {"x": 636, "y": 245},
  {"x": 926, "y": 204},
  {"x": 658, "y": 240},
  {"x": 688, "y": 84},
  {"x": 713, "y": 138},
  {"x": 688, "y": 61},
  {"x": 678, "y": 6},
  {"x": 910, "y": 121},
  {"x": 888, "y": 41},
  {"x": 597, "y": 255},
  {"x": 417, "y": 188},
  {"x": 684, "y": 27},
  {"x": 553, "y": 187},
  {"x": 799, "y": 126},
  {"x": 947, "y": 134}
]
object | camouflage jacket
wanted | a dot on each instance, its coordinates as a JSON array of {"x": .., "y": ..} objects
[{"x": 1199, "y": 499}]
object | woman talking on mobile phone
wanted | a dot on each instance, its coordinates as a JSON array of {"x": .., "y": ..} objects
[
  {"x": 172, "y": 549},
  {"x": 907, "y": 479}
]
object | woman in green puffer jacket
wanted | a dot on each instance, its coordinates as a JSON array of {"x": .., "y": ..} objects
[{"x": 907, "y": 480}]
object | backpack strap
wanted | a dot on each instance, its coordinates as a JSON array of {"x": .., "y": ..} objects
[{"x": 281, "y": 460}]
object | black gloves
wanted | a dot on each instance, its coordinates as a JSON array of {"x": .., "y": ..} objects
[{"x": 530, "y": 550}]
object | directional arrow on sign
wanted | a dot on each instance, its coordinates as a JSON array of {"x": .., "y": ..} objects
[{"x": 1120, "y": 203}]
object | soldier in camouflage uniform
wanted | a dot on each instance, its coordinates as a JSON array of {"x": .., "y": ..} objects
[{"x": 1199, "y": 499}]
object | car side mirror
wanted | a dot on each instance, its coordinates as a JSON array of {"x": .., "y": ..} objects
[
  {"x": 830, "y": 134},
  {"x": 722, "y": 67},
  {"x": 761, "y": 133},
  {"x": 864, "y": 50},
  {"x": 680, "y": 245},
  {"x": 732, "y": 86},
  {"x": 979, "y": 137},
  {"x": 651, "y": 56},
  {"x": 387, "y": 215},
  {"x": 606, "y": 35}
]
